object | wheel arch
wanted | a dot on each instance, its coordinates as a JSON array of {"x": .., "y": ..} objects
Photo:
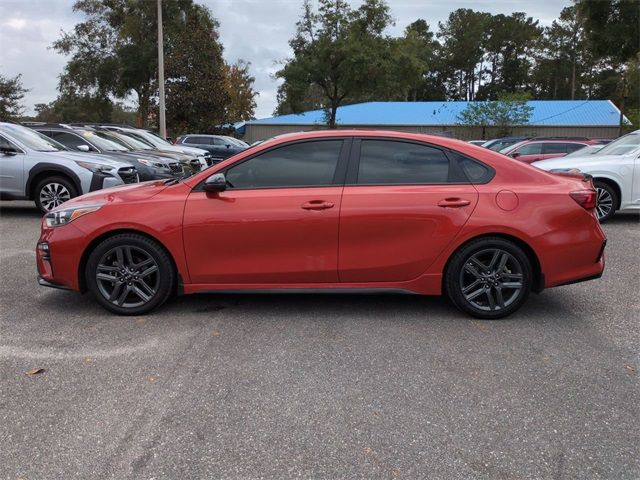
[
  {"x": 613, "y": 184},
  {"x": 538, "y": 275},
  {"x": 44, "y": 170},
  {"x": 82, "y": 284}
]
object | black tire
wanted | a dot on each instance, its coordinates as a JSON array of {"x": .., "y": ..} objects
[
  {"x": 125, "y": 264},
  {"x": 51, "y": 192},
  {"x": 485, "y": 294},
  {"x": 607, "y": 201}
]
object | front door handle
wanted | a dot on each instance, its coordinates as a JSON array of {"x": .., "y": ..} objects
[
  {"x": 453, "y": 203},
  {"x": 317, "y": 205}
]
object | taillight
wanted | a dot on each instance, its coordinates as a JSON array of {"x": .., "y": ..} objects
[{"x": 585, "y": 198}]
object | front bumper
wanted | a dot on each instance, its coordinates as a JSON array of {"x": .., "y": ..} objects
[{"x": 45, "y": 283}]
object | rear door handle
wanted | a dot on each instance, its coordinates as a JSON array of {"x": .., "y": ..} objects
[
  {"x": 453, "y": 203},
  {"x": 317, "y": 205}
]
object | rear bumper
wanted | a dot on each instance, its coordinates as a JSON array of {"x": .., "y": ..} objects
[{"x": 585, "y": 272}]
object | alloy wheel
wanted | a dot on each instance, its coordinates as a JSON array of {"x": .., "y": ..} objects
[
  {"x": 128, "y": 276},
  {"x": 491, "y": 279},
  {"x": 604, "y": 203},
  {"x": 53, "y": 194}
]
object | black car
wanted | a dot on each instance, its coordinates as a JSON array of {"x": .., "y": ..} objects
[
  {"x": 149, "y": 167},
  {"x": 221, "y": 147}
]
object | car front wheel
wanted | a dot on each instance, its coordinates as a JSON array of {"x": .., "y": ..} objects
[
  {"x": 489, "y": 278},
  {"x": 130, "y": 274},
  {"x": 53, "y": 192}
]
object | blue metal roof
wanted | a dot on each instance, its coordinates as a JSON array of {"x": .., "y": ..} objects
[{"x": 545, "y": 112}]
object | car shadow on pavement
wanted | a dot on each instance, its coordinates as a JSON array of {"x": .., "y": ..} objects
[{"x": 19, "y": 210}]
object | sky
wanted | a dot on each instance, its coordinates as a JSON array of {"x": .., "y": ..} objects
[{"x": 257, "y": 31}]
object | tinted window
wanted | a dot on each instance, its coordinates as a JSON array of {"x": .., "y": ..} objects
[
  {"x": 574, "y": 147},
  {"x": 530, "y": 149},
  {"x": 299, "y": 165},
  {"x": 385, "y": 162},
  {"x": 4, "y": 143},
  {"x": 69, "y": 140},
  {"x": 199, "y": 140},
  {"x": 474, "y": 171},
  {"x": 555, "y": 147}
]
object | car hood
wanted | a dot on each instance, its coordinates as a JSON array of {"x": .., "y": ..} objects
[
  {"x": 121, "y": 193},
  {"x": 87, "y": 157},
  {"x": 195, "y": 152},
  {"x": 576, "y": 162}
]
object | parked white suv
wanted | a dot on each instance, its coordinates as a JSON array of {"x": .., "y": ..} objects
[
  {"x": 34, "y": 167},
  {"x": 615, "y": 170}
]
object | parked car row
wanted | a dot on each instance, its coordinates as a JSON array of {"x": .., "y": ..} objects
[
  {"x": 614, "y": 165},
  {"x": 220, "y": 147},
  {"x": 51, "y": 163}
]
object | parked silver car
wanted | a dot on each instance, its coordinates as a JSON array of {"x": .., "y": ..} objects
[{"x": 35, "y": 167}]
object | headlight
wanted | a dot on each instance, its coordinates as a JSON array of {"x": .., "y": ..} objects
[
  {"x": 94, "y": 167},
  {"x": 67, "y": 215},
  {"x": 151, "y": 163}
]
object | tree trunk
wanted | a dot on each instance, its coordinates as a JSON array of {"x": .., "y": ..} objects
[
  {"x": 143, "y": 106},
  {"x": 332, "y": 115}
]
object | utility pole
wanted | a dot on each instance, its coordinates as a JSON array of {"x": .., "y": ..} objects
[{"x": 162, "y": 120}]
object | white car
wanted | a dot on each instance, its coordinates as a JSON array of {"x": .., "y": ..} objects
[{"x": 615, "y": 170}]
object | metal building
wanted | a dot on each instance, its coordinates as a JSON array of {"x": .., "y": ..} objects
[{"x": 587, "y": 118}]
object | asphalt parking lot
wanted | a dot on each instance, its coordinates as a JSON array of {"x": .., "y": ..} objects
[{"x": 326, "y": 386}]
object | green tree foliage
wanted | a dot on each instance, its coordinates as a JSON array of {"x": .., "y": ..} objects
[
  {"x": 11, "y": 96},
  {"x": 196, "y": 97},
  {"x": 509, "y": 110},
  {"x": 339, "y": 51},
  {"x": 114, "y": 54},
  {"x": 463, "y": 37},
  {"x": 73, "y": 107},
  {"x": 612, "y": 28},
  {"x": 508, "y": 47},
  {"x": 242, "y": 96}
]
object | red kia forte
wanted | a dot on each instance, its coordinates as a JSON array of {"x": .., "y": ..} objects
[{"x": 333, "y": 211}]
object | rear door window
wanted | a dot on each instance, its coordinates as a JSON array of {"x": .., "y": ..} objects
[
  {"x": 530, "y": 149},
  {"x": 555, "y": 148},
  {"x": 391, "y": 162}
]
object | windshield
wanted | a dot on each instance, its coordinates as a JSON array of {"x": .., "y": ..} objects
[
  {"x": 237, "y": 142},
  {"x": 32, "y": 139},
  {"x": 103, "y": 142},
  {"x": 149, "y": 138},
  {"x": 131, "y": 141},
  {"x": 623, "y": 145},
  {"x": 588, "y": 150},
  {"x": 157, "y": 137}
]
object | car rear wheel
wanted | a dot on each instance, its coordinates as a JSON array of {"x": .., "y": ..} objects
[
  {"x": 53, "y": 192},
  {"x": 130, "y": 274},
  {"x": 607, "y": 201},
  {"x": 489, "y": 278}
]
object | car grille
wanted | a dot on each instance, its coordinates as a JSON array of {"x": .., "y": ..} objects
[
  {"x": 128, "y": 175},
  {"x": 176, "y": 167}
]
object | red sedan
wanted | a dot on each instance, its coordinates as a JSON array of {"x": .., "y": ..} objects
[
  {"x": 536, "y": 149},
  {"x": 345, "y": 211}
]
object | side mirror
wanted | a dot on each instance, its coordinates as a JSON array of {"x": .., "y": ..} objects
[
  {"x": 83, "y": 148},
  {"x": 228, "y": 145},
  {"x": 514, "y": 155},
  {"x": 216, "y": 183},
  {"x": 8, "y": 150}
]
